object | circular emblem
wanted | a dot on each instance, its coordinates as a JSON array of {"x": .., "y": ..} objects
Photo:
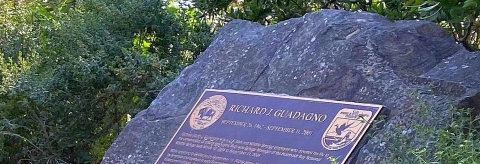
[{"x": 207, "y": 112}]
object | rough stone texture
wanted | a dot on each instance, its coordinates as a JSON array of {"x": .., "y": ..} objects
[{"x": 359, "y": 57}]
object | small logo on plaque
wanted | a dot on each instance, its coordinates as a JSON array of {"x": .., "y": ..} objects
[
  {"x": 345, "y": 128},
  {"x": 207, "y": 112}
]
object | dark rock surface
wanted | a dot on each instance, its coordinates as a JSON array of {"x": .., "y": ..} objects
[{"x": 339, "y": 55}]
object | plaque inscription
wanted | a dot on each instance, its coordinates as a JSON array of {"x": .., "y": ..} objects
[{"x": 236, "y": 127}]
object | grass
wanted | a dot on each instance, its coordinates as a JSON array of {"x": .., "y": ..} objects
[{"x": 458, "y": 142}]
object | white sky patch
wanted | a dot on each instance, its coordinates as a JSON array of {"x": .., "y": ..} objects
[{"x": 183, "y": 3}]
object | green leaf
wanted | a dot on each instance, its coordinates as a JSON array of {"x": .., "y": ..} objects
[
  {"x": 409, "y": 3},
  {"x": 44, "y": 12},
  {"x": 470, "y": 4},
  {"x": 430, "y": 8},
  {"x": 135, "y": 99},
  {"x": 455, "y": 20}
]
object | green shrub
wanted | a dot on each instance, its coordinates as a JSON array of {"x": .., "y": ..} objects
[
  {"x": 459, "y": 142},
  {"x": 456, "y": 142},
  {"x": 73, "y": 73}
]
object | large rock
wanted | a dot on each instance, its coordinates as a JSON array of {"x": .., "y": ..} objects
[{"x": 339, "y": 55}]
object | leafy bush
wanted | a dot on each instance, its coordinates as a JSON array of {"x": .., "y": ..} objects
[
  {"x": 74, "y": 72},
  {"x": 459, "y": 142},
  {"x": 456, "y": 142},
  {"x": 459, "y": 17}
]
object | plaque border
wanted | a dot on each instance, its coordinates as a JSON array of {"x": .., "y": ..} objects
[{"x": 279, "y": 95}]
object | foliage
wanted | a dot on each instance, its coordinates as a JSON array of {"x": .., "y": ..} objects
[
  {"x": 74, "y": 72},
  {"x": 460, "y": 142},
  {"x": 272, "y": 11},
  {"x": 459, "y": 17},
  {"x": 457, "y": 142}
]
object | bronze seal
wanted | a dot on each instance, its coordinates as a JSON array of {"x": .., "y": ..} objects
[{"x": 208, "y": 112}]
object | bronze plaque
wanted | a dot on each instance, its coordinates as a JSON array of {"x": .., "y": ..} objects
[{"x": 236, "y": 127}]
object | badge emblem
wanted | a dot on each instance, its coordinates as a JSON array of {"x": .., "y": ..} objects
[
  {"x": 345, "y": 128},
  {"x": 208, "y": 112}
]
